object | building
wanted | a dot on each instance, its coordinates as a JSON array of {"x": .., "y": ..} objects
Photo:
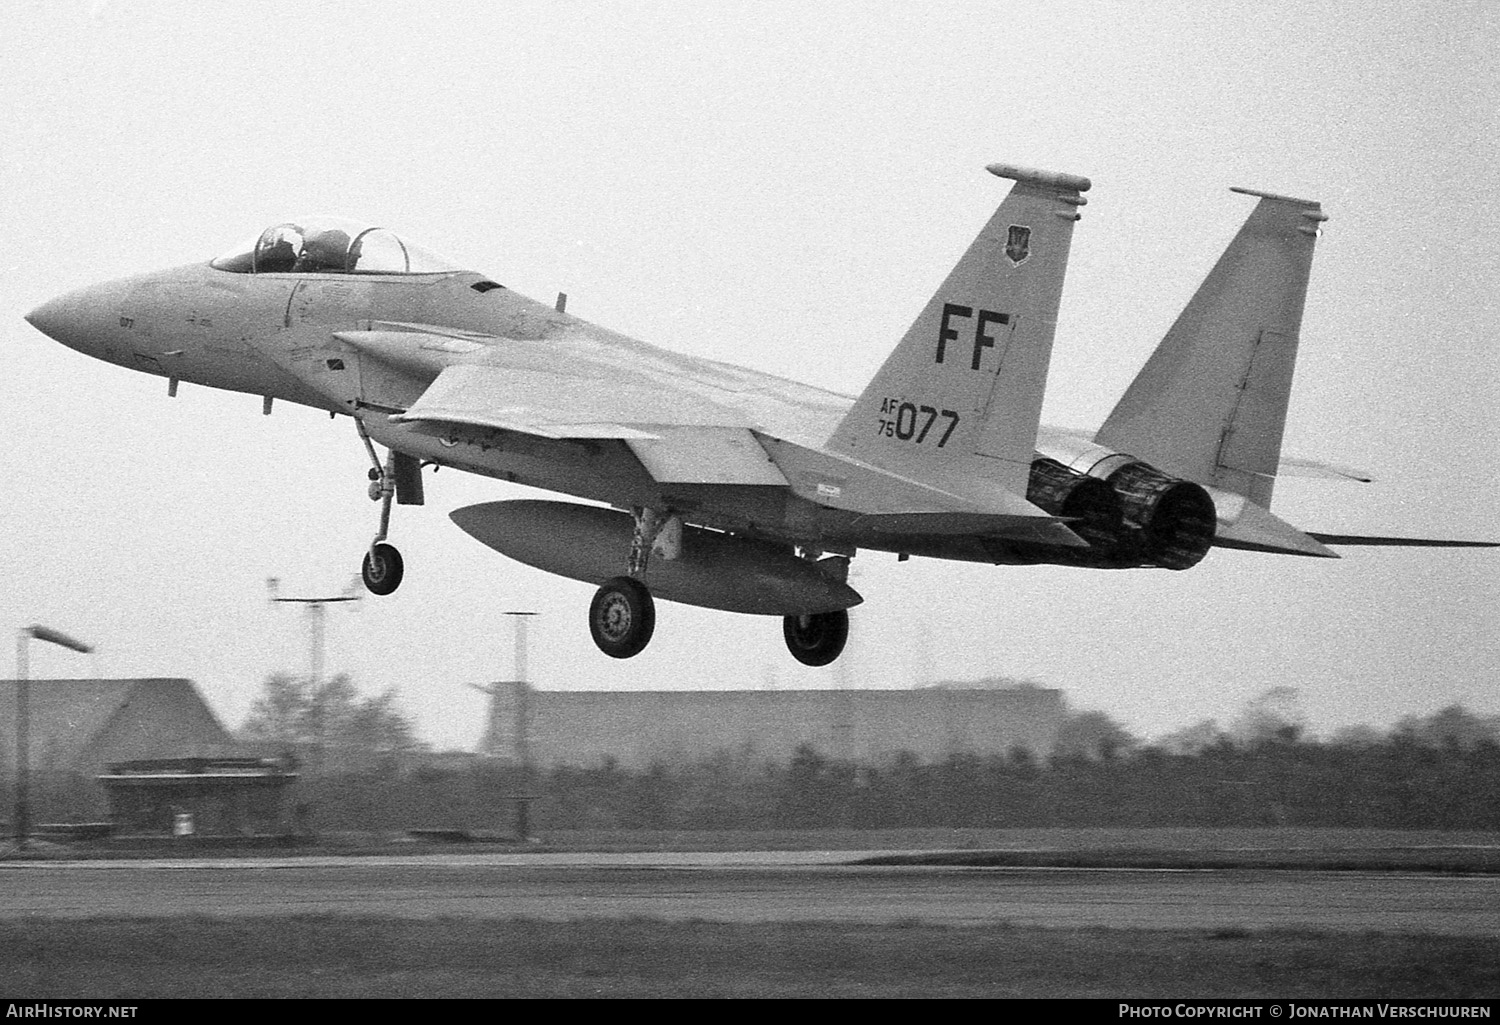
[
  {"x": 213, "y": 796},
  {"x": 77, "y": 728},
  {"x": 637, "y": 728}
]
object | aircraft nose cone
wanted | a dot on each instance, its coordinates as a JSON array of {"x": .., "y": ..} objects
[{"x": 64, "y": 319}]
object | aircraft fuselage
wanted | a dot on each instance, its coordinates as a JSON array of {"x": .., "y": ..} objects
[{"x": 272, "y": 335}]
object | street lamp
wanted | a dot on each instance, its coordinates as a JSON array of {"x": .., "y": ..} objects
[
  {"x": 491, "y": 744},
  {"x": 316, "y": 628},
  {"x": 23, "y": 717},
  {"x": 315, "y": 621}
]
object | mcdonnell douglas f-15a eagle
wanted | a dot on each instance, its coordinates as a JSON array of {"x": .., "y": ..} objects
[{"x": 734, "y": 489}]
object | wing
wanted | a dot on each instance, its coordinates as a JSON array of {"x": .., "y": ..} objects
[
  {"x": 554, "y": 402},
  {"x": 586, "y": 382},
  {"x": 688, "y": 421},
  {"x": 694, "y": 421}
]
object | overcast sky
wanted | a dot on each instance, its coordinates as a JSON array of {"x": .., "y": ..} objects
[{"x": 781, "y": 185}]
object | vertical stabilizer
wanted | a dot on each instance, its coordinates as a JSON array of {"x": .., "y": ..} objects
[
  {"x": 1210, "y": 404},
  {"x": 963, "y": 389}
]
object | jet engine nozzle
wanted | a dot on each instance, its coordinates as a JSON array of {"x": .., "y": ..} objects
[
  {"x": 1176, "y": 518},
  {"x": 1091, "y": 507},
  {"x": 1135, "y": 515}
]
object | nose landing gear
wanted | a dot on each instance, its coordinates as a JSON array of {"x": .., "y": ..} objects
[{"x": 382, "y": 568}]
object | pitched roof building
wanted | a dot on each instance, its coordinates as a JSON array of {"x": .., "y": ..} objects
[{"x": 78, "y": 727}]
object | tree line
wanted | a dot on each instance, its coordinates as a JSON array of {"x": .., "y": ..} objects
[
  {"x": 362, "y": 767},
  {"x": 1437, "y": 772}
]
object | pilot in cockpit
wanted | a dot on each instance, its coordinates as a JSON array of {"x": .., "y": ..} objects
[
  {"x": 277, "y": 250},
  {"x": 323, "y": 251},
  {"x": 328, "y": 245}
]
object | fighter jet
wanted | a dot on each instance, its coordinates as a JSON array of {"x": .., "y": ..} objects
[{"x": 733, "y": 489}]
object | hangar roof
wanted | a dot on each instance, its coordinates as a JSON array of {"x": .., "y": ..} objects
[{"x": 77, "y": 724}]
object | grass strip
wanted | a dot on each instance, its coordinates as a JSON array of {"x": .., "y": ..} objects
[{"x": 337, "y": 956}]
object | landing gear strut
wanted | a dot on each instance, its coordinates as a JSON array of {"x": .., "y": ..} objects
[
  {"x": 382, "y": 567},
  {"x": 817, "y": 639},
  {"x": 622, "y": 615}
]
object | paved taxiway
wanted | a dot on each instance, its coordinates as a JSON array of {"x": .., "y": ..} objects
[{"x": 769, "y": 886}]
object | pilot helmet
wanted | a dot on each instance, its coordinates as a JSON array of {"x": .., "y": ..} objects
[{"x": 326, "y": 248}]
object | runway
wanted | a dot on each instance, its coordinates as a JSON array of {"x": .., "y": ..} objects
[{"x": 751, "y": 887}]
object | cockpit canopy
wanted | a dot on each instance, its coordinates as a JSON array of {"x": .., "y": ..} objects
[{"x": 331, "y": 245}]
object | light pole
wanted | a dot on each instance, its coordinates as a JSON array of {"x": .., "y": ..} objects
[
  {"x": 523, "y": 728},
  {"x": 316, "y": 628},
  {"x": 23, "y": 718},
  {"x": 315, "y": 622},
  {"x": 491, "y": 745}
]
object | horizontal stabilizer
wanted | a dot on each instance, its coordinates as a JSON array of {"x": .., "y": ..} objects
[
  {"x": 1294, "y": 467},
  {"x": 1245, "y": 525},
  {"x": 1400, "y": 542}
]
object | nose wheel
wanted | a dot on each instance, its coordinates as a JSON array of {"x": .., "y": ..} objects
[
  {"x": 818, "y": 639},
  {"x": 382, "y": 569}
]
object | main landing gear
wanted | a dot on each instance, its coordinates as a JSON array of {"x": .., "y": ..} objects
[
  {"x": 622, "y": 615},
  {"x": 817, "y": 639}
]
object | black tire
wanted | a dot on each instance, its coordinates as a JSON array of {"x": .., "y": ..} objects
[
  {"x": 622, "y": 617},
  {"x": 382, "y": 569},
  {"x": 818, "y": 639}
]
